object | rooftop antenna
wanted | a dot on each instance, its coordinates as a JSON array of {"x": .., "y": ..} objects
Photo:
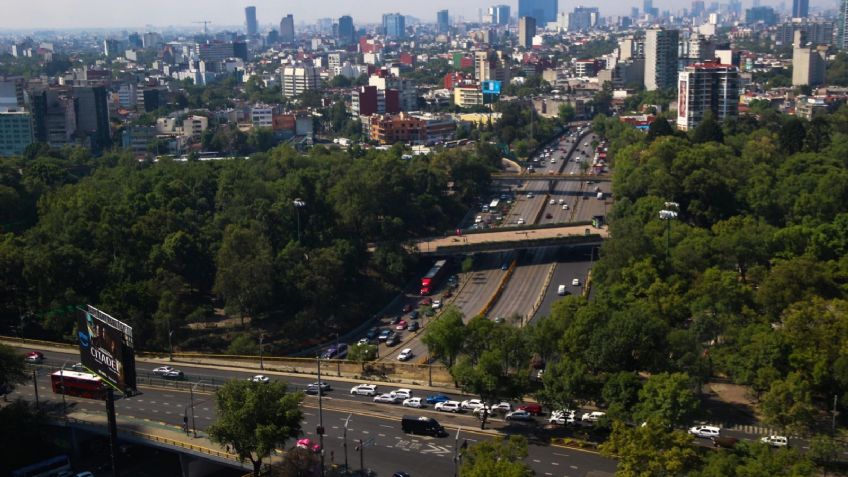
[{"x": 205, "y": 26}]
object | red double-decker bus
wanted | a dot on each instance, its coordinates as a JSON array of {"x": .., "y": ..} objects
[{"x": 78, "y": 384}]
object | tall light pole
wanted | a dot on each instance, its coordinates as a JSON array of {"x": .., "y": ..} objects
[
  {"x": 320, "y": 429},
  {"x": 261, "y": 362},
  {"x": 170, "y": 347},
  {"x": 345, "y": 441},
  {"x": 668, "y": 214},
  {"x": 298, "y": 204},
  {"x": 456, "y": 453}
]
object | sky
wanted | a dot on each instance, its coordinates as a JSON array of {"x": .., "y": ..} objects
[{"x": 46, "y": 14}]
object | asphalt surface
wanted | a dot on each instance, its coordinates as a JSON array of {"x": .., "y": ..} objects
[
  {"x": 391, "y": 450},
  {"x": 523, "y": 288},
  {"x": 572, "y": 263}
]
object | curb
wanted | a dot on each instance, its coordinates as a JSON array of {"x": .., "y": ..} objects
[
  {"x": 542, "y": 294},
  {"x": 496, "y": 296}
]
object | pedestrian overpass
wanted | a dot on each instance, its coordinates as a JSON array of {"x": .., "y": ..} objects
[{"x": 512, "y": 238}]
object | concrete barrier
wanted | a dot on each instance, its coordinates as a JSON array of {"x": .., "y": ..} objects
[{"x": 504, "y": 280}]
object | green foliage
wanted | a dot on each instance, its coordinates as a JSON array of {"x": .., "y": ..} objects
[
  {"x": 666, "y": 398},
  {"x": 567, "y": 113},
  {"x": 33, "y": 439},
  {"x": 12, "y": 369},
  {"x": 496, "y": 458},
  {"x": 650, "y": 450},
  {"x": 361, "y": 353},
  {"x": 751, "y": 460},
  {"x": 244, "y": 344},
  {"x": 255, "y": 418},
  {"x": 445, "y": 336}
]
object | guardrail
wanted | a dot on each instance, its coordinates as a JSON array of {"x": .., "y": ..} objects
[{"x": 504, "y": 280}]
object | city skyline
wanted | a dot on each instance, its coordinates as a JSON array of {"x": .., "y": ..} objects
[{"x": 104, "y": 14}]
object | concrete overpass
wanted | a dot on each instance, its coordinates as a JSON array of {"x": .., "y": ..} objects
[{"x": 512, "y": 238}]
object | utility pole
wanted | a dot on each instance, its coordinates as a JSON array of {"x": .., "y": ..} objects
[
  {"x": 35, "y": 387},
  {"x": 345, "y": 442},
  {"x": 170, "y": 347},
  {"x": 361, "y": 458},
  {"x": 320, "y": 429},
  {"x": 456, "y": 453},
  {"x": 261, "y": 363},
  {"x": 113, "y": 430}
]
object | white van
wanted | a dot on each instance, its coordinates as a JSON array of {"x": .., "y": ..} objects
[
  {"x": 561, "y": 290},
  {"x": 600, "y": 196}
]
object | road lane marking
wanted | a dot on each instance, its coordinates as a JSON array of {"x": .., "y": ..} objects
[
  {"x": 381, "y": 435},
  {"x": 389, "y": 427},
  {"x": 554, "y": 463},
  {"x": 573, "y": 467}
]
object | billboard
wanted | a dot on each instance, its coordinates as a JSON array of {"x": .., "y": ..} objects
[
  {"x": 682, "y": 97},
  {"x": 106, "y": 349},
  {"x": 491, "y": 87}
]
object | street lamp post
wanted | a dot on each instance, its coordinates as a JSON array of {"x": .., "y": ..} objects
[
  {"x": 320, "y": 429},
  {"x": 170, "y": 347},
  {"x": 456, "y": 453},
  {"x": 298, "y": 204},
  {"x": 338, "y": 357},
  {"x": 345, "y": 442},
  {"x": 668, "y": 214},
  {"x": 261, "y": 362},
  {"x": 193, "y": 423}
]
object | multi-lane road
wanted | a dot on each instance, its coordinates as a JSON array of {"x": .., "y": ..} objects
[{"x": 392, "y": 450}]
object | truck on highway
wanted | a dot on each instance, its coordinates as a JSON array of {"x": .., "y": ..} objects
[
  {"x": 431, "y": 279},
  {"x": 422, "y": 425}
]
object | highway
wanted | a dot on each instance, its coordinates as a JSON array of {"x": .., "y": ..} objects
[
  {"x": 524, "y": 285},
  {"x": 571, "y": 264},
  {"x": 391, "y": 448}
]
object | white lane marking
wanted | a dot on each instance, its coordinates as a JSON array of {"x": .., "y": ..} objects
[
  {"x": 537, "y": 461},
  {"x": 365, "y": 432},
  {"x": 562, "y": 455},
  {"x": 388, "y": 427},
  {"x": 554, "y": 463},
  {"x": 381, "y": 435},
  {"x": 573, "y": 467}
]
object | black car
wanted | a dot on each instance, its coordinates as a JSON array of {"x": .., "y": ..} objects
[
  {"x": 372, "y": 334},
  {"x": 414, "y": 314},
  {"x": 393, "y": 339},
  {"x": 413, "y": 326}
]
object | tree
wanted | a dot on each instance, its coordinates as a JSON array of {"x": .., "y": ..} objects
[
  {"x": 650, "y": 450},
  {"x": 788, "y": 404},
  {"x": 255, "y": 418},
  {"x": 362, "y": 353},
  {"x": 445, "y": 336},
  {"x": 567, "y": 384},
  {"x": 621, "y": 393},
  {"x": 567, "y": 113},
  {"x": 12, "y": 369},
  {"x": 659, "y": 128},
  {"x": 496, "y": 458},
  {"x": 792, "y": 135},
  {"x": 668, "y": 398},
  {"x": 824, "y": 451},
  {"x": 708, "y": 130},
  {"x": 245, "y": 269}
]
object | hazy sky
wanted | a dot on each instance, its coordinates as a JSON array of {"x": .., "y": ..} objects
[{"x": 30, "y": 14}]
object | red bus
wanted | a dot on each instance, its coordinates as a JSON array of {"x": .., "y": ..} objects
[
  {"x": 430, "y": 280},
  {"x": 78, "y": 384}
]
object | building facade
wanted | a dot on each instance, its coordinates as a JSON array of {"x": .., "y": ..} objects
[
  {"x": 800, "y": 8},
  {"x": 411, "y": 129},
  {"x": 394, "y": 25},
  {"x": 661, "y": 47},
  {"x": 442, "y": 21},
  {"x": 346, "y": 32},
  {"x": 526, "y": 31},
  {"x": 543, "y": 11},
  {"x": 250, "y": 23},
  {"x": 708, "y": 86},
  {"x": 297, "y": 79},
  {"x": 15, "y": 132},
  {"x": 499, "y": 14},
  {"x": 287, "y": 29}
]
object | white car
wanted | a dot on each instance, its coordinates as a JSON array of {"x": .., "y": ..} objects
[
  {"x": 706, "y": 432},
  {"x": 520, "y": 221},
  {"x": 529, "y": 195},
  {"x": 562, "y": 417},
  {"x": 436, "y": 304},
  {"x": 388, "y": 398},
  {"x": 448, "y": 406},
  {"x": 163, "y": 370},
  {"x": 414, "y": 402},
  {"x": 564, "y": 206},
  {"x": 260, "y": 378},
  {"x": 593, "y": 416},
  {"x": 364, "y": 390},
  {"x": 775, "y": 441},
  {"x": 552, "y": 202},
  {"x": 405, "y": 354},
  {"x": 402, "y": 393},
  {"x": 575, "y": 282},
  {"x": 471, "y": 404},
  {"x": 173, "y": 374},
  {"x": 502, "y": 407}
]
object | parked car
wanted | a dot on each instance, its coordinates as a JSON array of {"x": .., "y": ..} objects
[
  {"x": 405, "y": 354},
  {"x": 413, "y": 326},
  {"x": 364, "y": 390},
  {"x": 386, "y": 398},
  {"x": 393, "y": 339},
  {"x": 502, "y": 407},
  {"x": 592, "y": 417},
  {"x": 372, "y": 334},
  {"x": 384, "y": 335},
  {"x": 306, "y": 443},
  {"x": 260, "y": 378},
  {"x": 413, "y": 402},
  {"x": 562, "y": 417},
  {"x": 437, "y": 398},
  {"x": 448, "y": 406},
  {"x": 706, "y": 432},
  {"x": 426, "y": 301},
  {"x": 471, "y": 404},
  {"x": 407, "y": 308},
  {"x": 436, "y": 304},
  {"x": 396, "y": 319},
  {"x": 775, "y": 441},
  {"x": 518, "y": 416},
  {"x": 173, "y": 374},
  {"x": 414, "y": 315},
  {"x": 447, "y": 294},
  {"x": 401, "y": 325},
  {"x": 34, "y": 357},
  {"x": 532, "y": 408}
]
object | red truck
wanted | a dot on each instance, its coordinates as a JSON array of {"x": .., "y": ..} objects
[{"x": 431, "y": 279}]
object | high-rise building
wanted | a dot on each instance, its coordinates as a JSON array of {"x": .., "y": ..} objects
[
  {"x": 15, "y": 132},
  {"x": 800, "y": 8},
  {"x": 287, "y": 29},
  {"x": 499, "y": 14},
  {"x": 661, "y": 48},
  {"x": 543, "y": 11},
  {"x": 582, "y": 18},
  {"x": 394, "y": 25},
  {"x": 251, "y": 25},
  {"x": 766, "y": 15},
  {"x": 442, "y": 21},
  {"x": 649, "y": 9},
  {"x": 526, "y": 31},
  {"x": 346, "y": 32},
  {"x": 93, "y": 116},
  {"x": 296, "y": 80},
  {"x": 708, "y": 86},
  {"x": 808, "y": 62},
  {"x": 698, "y": 8},
  {"x": 817, "y": 33},
  {"x": 842, "y": 26}
]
